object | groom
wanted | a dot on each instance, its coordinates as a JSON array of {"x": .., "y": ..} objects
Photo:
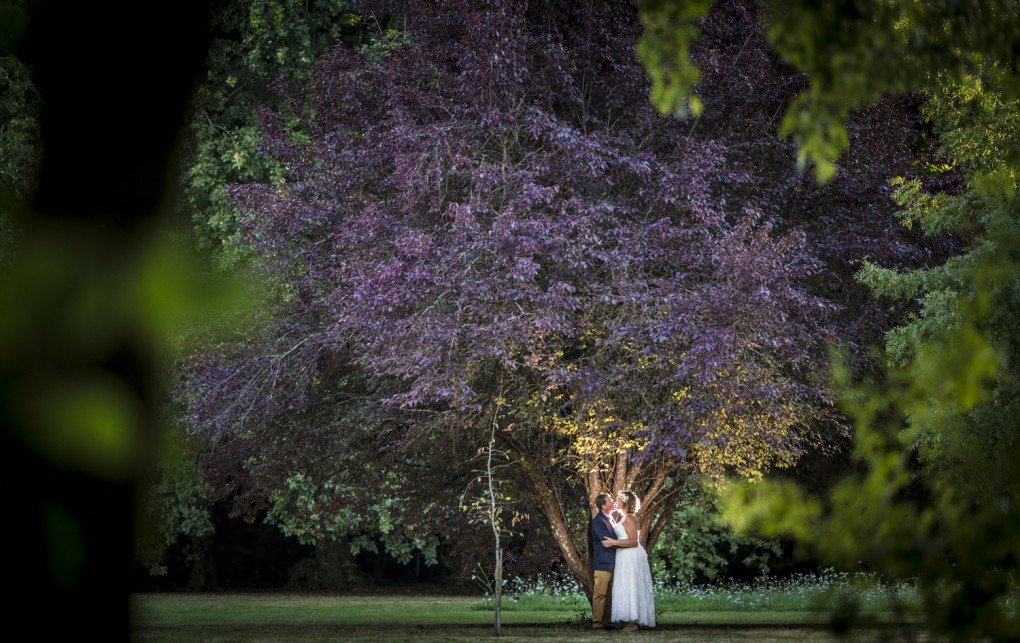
[{"x": 603, "y": 560}]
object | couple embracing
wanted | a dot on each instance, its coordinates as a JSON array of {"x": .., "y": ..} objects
[{"x": 623, "y": 581}]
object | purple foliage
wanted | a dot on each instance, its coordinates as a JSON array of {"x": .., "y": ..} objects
[
  {"x": 496, "y": 201},
  {"x": 485, "y": 208}
]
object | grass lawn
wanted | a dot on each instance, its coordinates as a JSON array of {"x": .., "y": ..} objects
[{"x": 302, "y": 617}]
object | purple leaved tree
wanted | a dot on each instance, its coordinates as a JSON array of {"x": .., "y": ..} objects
[{"x": 486, "y": 213}]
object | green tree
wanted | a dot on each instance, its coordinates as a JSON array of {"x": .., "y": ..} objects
[
  {"x": 177, "y": 510},
  {"x": 701, "y": 548},
  {"x": 20, "y": 137},
  {"x": 844, "y": 47},
  {"x": 257, "y": 47},
  {"x": 342, "y": 518},
  {"x": 937, "y": 435}
]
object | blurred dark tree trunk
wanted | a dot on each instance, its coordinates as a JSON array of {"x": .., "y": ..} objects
[{"x": 114, "y": 80}]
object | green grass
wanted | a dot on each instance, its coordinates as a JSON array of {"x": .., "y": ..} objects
[
  {"x": 287, "y": 617},
  {"x": 824, "y": 592},
  {"x": 157, "y": 610}
]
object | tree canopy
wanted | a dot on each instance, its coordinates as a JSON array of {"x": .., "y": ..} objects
[
  {"x": 474, "y": 219},
  {"x": 486, "y": 217}
]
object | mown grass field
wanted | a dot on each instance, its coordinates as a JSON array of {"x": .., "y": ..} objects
[{"x": 302, "y": 617}]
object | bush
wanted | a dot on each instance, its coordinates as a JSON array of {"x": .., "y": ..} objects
[{"x": 699, "y": 548}]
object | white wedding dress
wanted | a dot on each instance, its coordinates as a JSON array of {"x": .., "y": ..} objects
[{"x": 633, "y": 598}]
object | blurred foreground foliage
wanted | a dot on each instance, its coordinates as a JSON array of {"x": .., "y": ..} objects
[
  {"x": 73, "y": 301},
  {"x": 845, "y": 49},
  {"x": 936, "y": 435},
  {"x": 95, "y": 291},
  {"x": 936, "y": 495}
]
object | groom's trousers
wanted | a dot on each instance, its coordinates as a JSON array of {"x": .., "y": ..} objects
[{"x": 602, "y": 599}]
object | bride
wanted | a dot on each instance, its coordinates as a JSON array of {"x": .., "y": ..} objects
[{"x": 633, "y": 600}]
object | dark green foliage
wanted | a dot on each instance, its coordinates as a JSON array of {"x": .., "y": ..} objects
[
  {"x": 936, "y": 437},
  {"x": 257, "y": 46},
  {"x": 19, "y": 146},
  {"x": 938, "y": 500},
  {"x": 178, "y": 506},
  {"x": 701, "y": 548},
  {"x": 845, "y": 48}
]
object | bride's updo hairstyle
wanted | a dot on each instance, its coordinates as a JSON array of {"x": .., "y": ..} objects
[{"x": 630, "y": 501}]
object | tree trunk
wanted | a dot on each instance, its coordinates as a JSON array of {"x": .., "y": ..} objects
[
  {"x": 499, "y": 589},
  {"x": 655, "y": 514},
  {"x": 332, "y": 564},
  {"x": 203, "y": 567},
  {"x": 578, "y": 565},
  {"x": 494, "y": 518}
]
